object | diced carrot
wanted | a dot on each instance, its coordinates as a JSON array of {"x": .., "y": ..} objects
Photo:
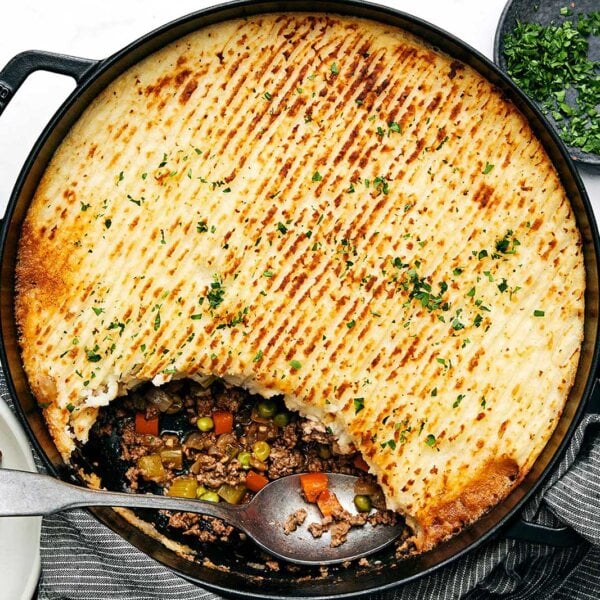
[
  {"x": 360, "y": 463},
  {"x": 255, "y": 481},
  {"x": 146, "y": 426},
  {"x": 328, "y": 503},
  {"x": 223, "y": 420},
  {"x": 313, "y": 484}
]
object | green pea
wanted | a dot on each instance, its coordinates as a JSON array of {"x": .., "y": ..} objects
[
  {"x": 266, "y": 408},
  {"x": 281, "y": 419},
  {"x": 324, "y": 451},
  {"x": 363, "y": 503},
  {"x": 205, "y": 423},
  {"x": 244, "y": 459},
  {"x": 261, "y": 450},
  {"x": 210, "y": 497}
]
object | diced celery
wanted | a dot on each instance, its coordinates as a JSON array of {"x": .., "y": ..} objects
[
  {"x": 151, "y": 467},
  {"x": 183, "y": 487},
  {"x": 172, "y": 458},
  {"x": 232, "y": 494}
]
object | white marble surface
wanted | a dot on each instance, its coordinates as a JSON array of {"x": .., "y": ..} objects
[{"x": 97, "y": 29}]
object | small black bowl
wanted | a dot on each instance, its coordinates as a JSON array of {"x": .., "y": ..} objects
[{"x": 546, "y": 12}]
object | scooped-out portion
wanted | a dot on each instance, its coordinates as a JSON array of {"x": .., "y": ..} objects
[
  {"x": 323, "y": 210},
  {"x": 221, "y": 444}
]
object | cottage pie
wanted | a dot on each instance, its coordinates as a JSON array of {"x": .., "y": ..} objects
[{"x": 321, "y": 208}]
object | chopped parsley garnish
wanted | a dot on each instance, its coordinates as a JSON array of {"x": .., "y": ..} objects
[
  {"x": 430, "y": 440},
  {"x": 134, "y": 200},
  {"x": 295, "y": 364},
  {"x": 488, "y": 167},
  {"x": 268, "y": 273},
  {"x": 281, "y": 227},
  {"x": 508, "y": 244},
  {"x": 215, "y": 293},
  {"x": 267, "y": 96},
  {"x": 359, "y": 404},
  {"x": 92, "y": 355},
  {"x": 422, "y": 291},
  {"x": 107, "y": 223},
  {"x": 391, "y": 443},
  {"x": 157, "y": 321},
  {"x": 538, "y": 313},
  {"x": 381, "y": 185},
  {"x": 458, "y": 400},
  {"x": 439, "y": 147},
  {"x": 236, "y": 320},
  {"x": 257, "y": 356},
  {"x": 97, "y": 310},
  {"x": 317, "y": 176},
  {"x": 70, "y": 407},
  {"x": 457, "y": 325},
  {"x": 393, "y": 126},
  {"x": 351, "y": 324},
  {"x": 397, "y": 262},
  {"x": 84, "y": 206},
  {"x": 551, "y": 63},
  {"x": 335, "y": 70},
  {"x": 202, "y": 227}
]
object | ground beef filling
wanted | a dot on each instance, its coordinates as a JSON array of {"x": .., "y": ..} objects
[{"x": 214, "y": 442}]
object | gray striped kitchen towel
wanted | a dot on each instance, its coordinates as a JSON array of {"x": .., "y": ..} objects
[{"x": 83, "y": 560}]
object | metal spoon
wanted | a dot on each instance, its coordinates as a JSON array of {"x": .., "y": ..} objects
[{"x": 27, "y": 494}]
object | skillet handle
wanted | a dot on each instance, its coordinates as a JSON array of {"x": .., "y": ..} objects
[
  {"x": 22, "y": 65},
  {"x": 560, "y": 537}
]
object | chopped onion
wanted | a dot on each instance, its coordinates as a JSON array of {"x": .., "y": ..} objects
[
  {"x": 160, "y": 399},
  {"x": 172, "y": 458},
  {"x": 151, "y": 468},
  {"x": 365, "y": 487},
  {"x": 196, "y": 441},
  {"x": 176, "y": 405}
]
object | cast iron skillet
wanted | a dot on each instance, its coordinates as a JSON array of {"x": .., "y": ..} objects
[{"x": 241, "y": 578}]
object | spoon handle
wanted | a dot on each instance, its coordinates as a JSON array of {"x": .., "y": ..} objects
[{"x": 27, "y": 494}]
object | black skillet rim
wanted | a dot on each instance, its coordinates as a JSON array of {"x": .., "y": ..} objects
[{"x": 173, "y": 30}]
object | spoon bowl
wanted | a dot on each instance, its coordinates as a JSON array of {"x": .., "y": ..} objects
[{"x": 262, "y": 519}]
